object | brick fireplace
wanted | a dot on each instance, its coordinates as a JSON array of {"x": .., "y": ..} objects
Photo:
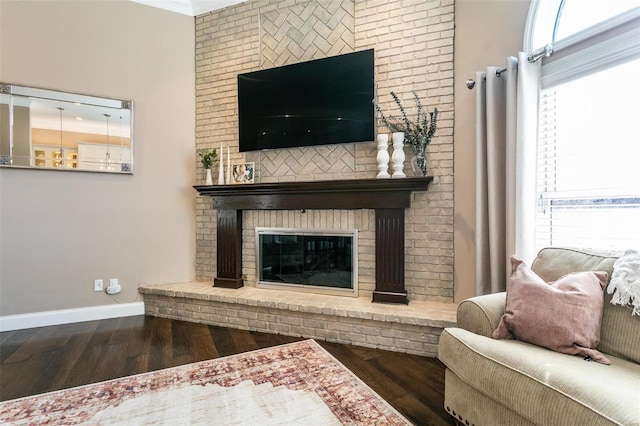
[
  {"x": 387, "y": 197},
  {"x": 413, "y": 328},
  {"x": 376, "y": 207},
  {"x": 413, "y": 42}
]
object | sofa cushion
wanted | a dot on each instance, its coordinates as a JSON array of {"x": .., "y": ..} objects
[
  {"x": 563, "y": 315},
  {"x": 620, "y": 331},
  {"x": 543, "y": 386}
]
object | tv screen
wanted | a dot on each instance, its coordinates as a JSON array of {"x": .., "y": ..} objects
[{"x": 319, "y": 102}]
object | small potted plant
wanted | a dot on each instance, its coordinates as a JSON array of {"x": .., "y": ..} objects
[
  {"x": 207, "y": 157},
  {"x": 418, "y": 133}
]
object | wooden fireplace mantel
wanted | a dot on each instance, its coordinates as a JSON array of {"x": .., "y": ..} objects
[
  {"x": 389, "y": 198},
  {"x": 323, "y": 194}
]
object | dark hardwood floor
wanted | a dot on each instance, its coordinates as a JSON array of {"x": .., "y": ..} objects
[{"x": 38, "y": 360}]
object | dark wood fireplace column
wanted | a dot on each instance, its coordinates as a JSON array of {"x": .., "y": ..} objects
[
  {"x": 390, "y": 257},
  {"x": 229, "y": 252},
  {"x": 388, "y": 197}
]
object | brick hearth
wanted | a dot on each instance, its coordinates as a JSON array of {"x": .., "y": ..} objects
[{"x": 413, "y": 328}]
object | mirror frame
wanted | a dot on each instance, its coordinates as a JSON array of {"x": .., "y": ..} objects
[{"x": 80, "y": 104}]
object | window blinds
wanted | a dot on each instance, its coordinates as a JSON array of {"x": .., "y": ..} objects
[{"x": 588, "y": 180}]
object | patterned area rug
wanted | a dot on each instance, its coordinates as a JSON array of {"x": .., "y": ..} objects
[{"x": 294, "y": 384}]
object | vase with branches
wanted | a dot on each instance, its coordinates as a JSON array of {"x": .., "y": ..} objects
[
  {"x": 418, "y": 133},
  {"x": 207, "y": 158}
]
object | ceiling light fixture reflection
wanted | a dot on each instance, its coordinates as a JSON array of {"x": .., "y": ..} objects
[
  {"x": 61, "y": 163},
  {"x": 108, "y": 155}
]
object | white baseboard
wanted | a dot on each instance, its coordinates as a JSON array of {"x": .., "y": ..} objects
[{"x": 68, "y": 316}]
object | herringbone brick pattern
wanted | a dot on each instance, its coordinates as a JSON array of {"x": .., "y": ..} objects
[
  {"x": 330, "y": 161},
  {"x": 312, "y": 30}
]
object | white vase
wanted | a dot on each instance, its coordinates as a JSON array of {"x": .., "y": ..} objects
[
  {"x": 398, "y": 155},
  {"x": 383, "y": 156},
  {"x": 208, "y": 180}
]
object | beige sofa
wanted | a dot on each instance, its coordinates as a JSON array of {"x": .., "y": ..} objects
[{"x": 509, "y": 382}]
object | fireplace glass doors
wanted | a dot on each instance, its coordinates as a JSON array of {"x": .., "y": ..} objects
[{"x": 323, "y": 261}]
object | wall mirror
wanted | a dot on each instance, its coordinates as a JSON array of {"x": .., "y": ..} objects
[{"x": 48, "y": 129}]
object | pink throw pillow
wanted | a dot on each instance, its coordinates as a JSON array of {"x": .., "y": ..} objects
[{"x": 563, "y": 316}]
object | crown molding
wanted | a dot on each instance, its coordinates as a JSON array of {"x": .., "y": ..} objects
[{"x": 189, "y": 7}]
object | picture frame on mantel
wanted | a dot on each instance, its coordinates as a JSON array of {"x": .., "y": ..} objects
[{"x": 242, "y": 173}]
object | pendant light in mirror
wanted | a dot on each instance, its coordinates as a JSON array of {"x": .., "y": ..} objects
[
  {"x": 60, "y": 164},
  {"x": 108, "y": 154},
  {"x": 64, "y": 131}
]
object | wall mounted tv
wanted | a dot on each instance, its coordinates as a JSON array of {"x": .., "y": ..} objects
[{"x": 320, "y": 102}]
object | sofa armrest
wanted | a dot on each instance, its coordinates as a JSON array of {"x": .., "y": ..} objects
[{"x": 481, "y": 314}]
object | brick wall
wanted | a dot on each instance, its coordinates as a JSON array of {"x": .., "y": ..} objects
[{"x": 413, "y": 42}]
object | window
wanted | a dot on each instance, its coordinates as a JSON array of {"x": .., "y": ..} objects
[
  {"x": 577, "y": 15},
  {"x": 552, "y": 20},
  {"x": 588, "y": 165}
]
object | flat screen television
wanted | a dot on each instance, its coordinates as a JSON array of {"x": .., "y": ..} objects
[{"x": 320, "y": 102}]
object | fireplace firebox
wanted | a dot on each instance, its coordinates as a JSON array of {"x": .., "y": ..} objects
[{"x": 319, "y": 261}]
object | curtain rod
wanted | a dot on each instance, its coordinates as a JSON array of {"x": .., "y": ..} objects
[
  {"x": 471, "y": 83},
  {"x": 545, "y": 51},
  {"x": 534, "y": 56}
]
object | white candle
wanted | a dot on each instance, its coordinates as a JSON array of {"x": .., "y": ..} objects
[
  {"x": 228, "y": 166},
  {"x": 221, "y": 168}
]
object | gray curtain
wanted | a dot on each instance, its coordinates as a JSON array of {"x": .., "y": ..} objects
[{"x": 506, "y": 122}]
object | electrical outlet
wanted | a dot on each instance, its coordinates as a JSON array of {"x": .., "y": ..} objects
[
  {"x": 114, "y": 286},
  {"x": 97, "y": 285}
]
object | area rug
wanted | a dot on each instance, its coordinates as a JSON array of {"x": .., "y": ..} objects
[{"x": 294, "y": 384}]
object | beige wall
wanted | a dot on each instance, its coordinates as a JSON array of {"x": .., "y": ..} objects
[
  {"x": 486, "y": 33},
  {"x": 61, "y": 230}
]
